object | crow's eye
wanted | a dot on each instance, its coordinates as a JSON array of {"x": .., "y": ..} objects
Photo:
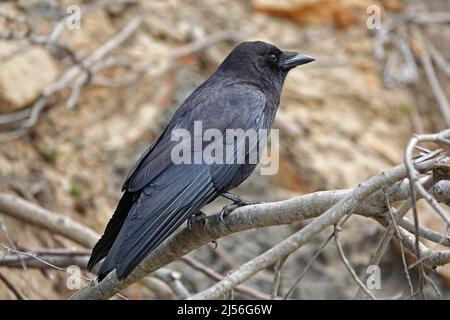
[{"x": 273, "y": 58}]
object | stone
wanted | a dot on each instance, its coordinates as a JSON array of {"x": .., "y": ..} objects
[{"x": 24, "y": 77}]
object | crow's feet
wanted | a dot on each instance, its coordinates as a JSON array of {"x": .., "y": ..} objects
[
  {"x": 225, "y": 212},
  {"x": 199, "y": 217}
]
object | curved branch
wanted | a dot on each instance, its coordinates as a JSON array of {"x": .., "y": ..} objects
[
  {"x": 256, "y": 216},
  {"x": 244, "y": 218},
  {"x": 31, "y": 213}
]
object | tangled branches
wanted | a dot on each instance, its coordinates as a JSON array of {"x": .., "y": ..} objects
[
  {"x": 81, "y": 73},
  {"x": 410, "y": 49},
  {"x": 371, "y": 199}
]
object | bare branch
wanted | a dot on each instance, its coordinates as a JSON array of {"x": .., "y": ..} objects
[
  {"x": 348, "y": 266},
  {"x": 330, "y": 217},
  {"x": 253, "y": 216},
  {"x": 26, "y": 211},
  {"x": 277, "y": 277},
  {"x": 210, "y": 273}
]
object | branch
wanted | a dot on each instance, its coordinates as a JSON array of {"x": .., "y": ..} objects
[
  {"x": 75, "y": 77},
  {"x": 33, "y": 214},
  {"x": 244, "y": 218},
  {"x": 348, "y": 266},
  {"x": 257, "y": 216},
  {"x": 330, "y": 217}
]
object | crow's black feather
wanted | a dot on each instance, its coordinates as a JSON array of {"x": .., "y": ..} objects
[{"x": 244, "y": 93}]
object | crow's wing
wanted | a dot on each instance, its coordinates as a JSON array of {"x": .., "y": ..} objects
[
  {"x": 170, "y": 193},
  {"x": 235, "y": 106}
]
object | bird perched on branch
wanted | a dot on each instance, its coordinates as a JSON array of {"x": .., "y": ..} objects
[{"x": 159, "y": 194}]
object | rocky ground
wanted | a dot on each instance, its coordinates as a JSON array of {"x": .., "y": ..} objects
[{"x": 339, "y": 124}]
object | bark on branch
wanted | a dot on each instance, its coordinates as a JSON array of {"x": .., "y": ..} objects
[{"x": 244, "y": 218}]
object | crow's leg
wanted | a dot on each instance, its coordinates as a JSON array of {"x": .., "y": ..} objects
[
  {"x": 237, "y": 200},
  {"x": 198, "y": 217}
]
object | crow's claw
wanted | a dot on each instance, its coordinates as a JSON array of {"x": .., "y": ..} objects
[
  {"x": 199, "y": 217},
  {"x": 225, "y": 212}
]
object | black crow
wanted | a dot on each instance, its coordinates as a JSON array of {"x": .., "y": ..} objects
[{"x": 159, "y": 194}]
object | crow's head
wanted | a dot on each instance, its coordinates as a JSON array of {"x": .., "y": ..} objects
[{"x": 262, "y": 60}]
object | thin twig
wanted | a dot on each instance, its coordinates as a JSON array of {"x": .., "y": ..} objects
[
  {"x": 51, "y": 265},
  {"x": 277, "y": 277},
  {"x": 308, "y": 265},
  {"x": 402, "y": 252},
  {"x": 210, "y": 273},
  {"x": 348, "y": 266}
]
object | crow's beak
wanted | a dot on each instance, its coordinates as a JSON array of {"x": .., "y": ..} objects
[{"x": 294, "y": 59}]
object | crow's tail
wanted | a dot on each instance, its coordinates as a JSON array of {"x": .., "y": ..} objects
[{"x": 105, "y": 243}]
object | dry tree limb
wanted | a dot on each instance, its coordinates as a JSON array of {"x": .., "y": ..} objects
[
  {"x": 75, "y": 77},
  {"x": 35, "y": 215},
  {"x": 390, "y": 230},
  {"x": 416, "y": 186},
  {"x": 429, "y": 257},
  {"x": 414, "y": 183},
  {"x": 268, "y": 214},
  {"x": 426, "y": 233},
  {"x": 348, "y": 266},
  {"x": 45, "y": 261},
  {"x": 277, "y": 277},
  {"x": 86, "y": 71},
  {"x": 288, "y": 211},
  {"x": 330, "y": 217},
  {"x": 402, "y": 251},
  {"x": 34, "y": 256}
]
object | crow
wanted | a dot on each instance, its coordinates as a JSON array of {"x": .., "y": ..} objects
[{"x": 159, "y": 194}]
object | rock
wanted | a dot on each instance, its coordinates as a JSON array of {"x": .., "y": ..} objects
[
  {"x": 23, "y": 78},
  {"x": 341, "y": 13}
]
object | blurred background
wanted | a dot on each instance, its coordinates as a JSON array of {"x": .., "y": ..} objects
[{"x": 81, "y": 100}]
